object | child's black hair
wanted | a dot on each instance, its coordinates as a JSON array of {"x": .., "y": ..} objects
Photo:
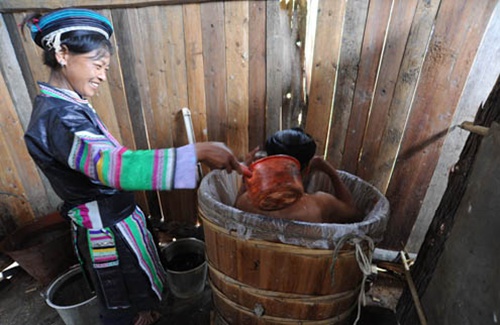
[{"x": 293, "y": 142}]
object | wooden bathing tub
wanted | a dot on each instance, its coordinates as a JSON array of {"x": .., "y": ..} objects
[{"x": 274, "y": 271}]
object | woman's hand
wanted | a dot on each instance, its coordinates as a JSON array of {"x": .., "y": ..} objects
[{"x": 217, "y": 155}]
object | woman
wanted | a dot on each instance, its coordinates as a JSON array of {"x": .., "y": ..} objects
[
  {"x": 319, "y": 207},
  {"x": 93, "y": 173}
]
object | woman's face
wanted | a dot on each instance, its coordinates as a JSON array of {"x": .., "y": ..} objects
[{"x": 85, "y": 72}]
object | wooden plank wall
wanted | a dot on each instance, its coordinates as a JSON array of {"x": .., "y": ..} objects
[
  {"x": 382, "y": 79},
  {"x": 394, "y": 102}
]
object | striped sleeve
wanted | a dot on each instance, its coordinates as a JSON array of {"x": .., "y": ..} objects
[{"x": 119, "y": 167}]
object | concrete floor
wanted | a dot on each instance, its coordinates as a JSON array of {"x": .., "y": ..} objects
[{"x": 21, "y": 303}]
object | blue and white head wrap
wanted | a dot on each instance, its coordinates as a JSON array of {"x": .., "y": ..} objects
[{"x": 47, "y": 31}]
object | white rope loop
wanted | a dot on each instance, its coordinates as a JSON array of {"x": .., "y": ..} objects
[{"x": 364, "y": 262}]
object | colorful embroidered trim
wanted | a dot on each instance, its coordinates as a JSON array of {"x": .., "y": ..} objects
[
  {"x": 135, "y": 233},
  {"x": 102, "y": 248},
  {"x": 63, "y": 94},
  {"x": 121, "y": 168}
]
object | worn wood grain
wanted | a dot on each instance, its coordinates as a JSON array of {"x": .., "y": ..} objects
[
  {"x": 324, "y": 70},
  {"x": 132, "y": 61},
  {"x": 10, "y": 68},
  {"x": 39, "y": 72},
  {"x": 401, "y": 103},
  {"x": 372, "y": 50},
  {"x": 480, "y": 81},
  {"x": 442, "y": 80},
  {"x": 153, "y": 35},
  {"x": 274, "y": 68},
  {"x": 399, "y": 27},
  {"x": 193, "y": 62},
  {"x": 257, "y": 74},
  {"x": 236, "y": 29},
  {"x": 176, "y": 205},
  {"x": 24, "y": 5},
  {"x": 118, "y": 95},
  {"x": 212, "y": 18},
  {"x": 350, "y": 57},
  {"x": 22, "y": 89},
  {"x": 195, "y": 70},
  {"x": 176, "y": 91},
  {"x": 16, "y": 36},
  {"x": 132, "y": 68},
  {"x": 19, "y": 175}
]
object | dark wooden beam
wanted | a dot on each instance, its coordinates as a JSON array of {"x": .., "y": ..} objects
[{"x": 44, "y": 5}]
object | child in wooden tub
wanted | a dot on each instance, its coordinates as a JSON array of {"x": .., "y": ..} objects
[{"x": 317, "y": 207}]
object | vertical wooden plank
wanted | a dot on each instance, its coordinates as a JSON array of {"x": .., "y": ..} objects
[
  {"x": 312, "y": 19},
  {"x": 257, "y": 74},
  {"x": 274, "y": 67},
  {"x": 166, "y": 70},
  {"x": 132, "y": 65},
  {"x": 15, "y": 210},
  {"x": 212, "y": 19},
  {"x": 153, "y": 77},
  {"x": 10, "y": 68},
  {"x": 15, "y": 33},
  {"x": 458, "y": 31},
  {"x": 350, "y": 57},
  {"x": 409, "y": 73},
  {"x": 39, "y": 71},
  {"x": 236, "y": 30},
  {"x": 117, "y": 89},
  {"x": 176, "y": 91},
  {"x": 172, "y": 97},
  {"x": 373, "y": 44},
  {"x": 19, "y": 174},
  {"x": 195, "y": 70},
  {"x": 480, "y": 81},
  {"x": 117, "y": 93},
  {"x": 397, "y": 36},
  {"x": 324, "y": 70},
  {"x": 133, "y": 69},
  {"x": 30, "y": 56}
]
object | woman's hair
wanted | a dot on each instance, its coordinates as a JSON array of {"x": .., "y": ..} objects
[
  {"x": 79, "y": 43},
  {"x": 293, "y": 142},
  {"x": 75, "y": 41}
]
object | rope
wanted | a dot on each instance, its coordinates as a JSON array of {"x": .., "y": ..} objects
[{"x": 364, "y": 262}]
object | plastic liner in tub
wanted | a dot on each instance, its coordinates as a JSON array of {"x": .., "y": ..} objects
[{"x": 217, "y": 194}]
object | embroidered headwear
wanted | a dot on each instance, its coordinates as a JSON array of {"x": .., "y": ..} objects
[{"x": 47, "y": 30}]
